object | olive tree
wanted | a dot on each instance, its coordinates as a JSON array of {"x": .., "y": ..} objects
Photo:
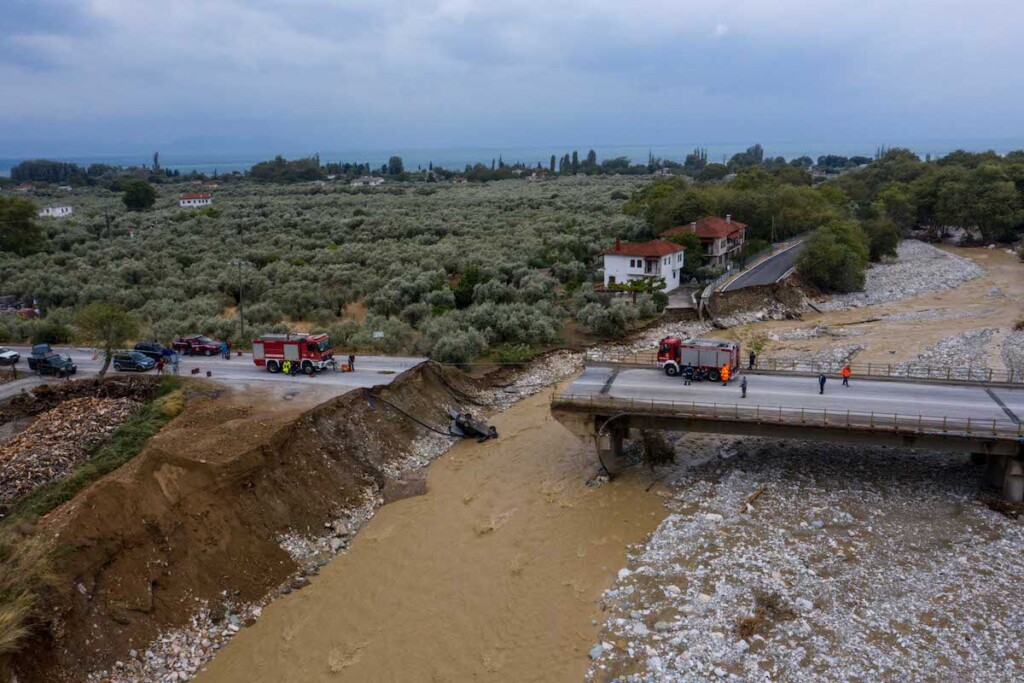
[{"x": 107, "y": 326}]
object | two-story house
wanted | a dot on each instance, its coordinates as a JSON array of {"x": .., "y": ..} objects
[
  {"x": 628, "y": 261},
  {"x": 722, "y": 238},
  {"x": 56, "y": 212}
]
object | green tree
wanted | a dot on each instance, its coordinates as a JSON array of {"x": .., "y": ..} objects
[
  {"x": 395, "y": 166},
  {"x": 835, "y": 257},
  {"x": 883, "y": 238},
  {"x": 138, "y": 194},
  {"x": 107, "y": 326},
  {"x": 695, "y": 256},
  {"x": 646, "y": 285},
  {"x": 575, "y": 161},
  {"x": 552, "y": 165},
  {"x": 898, "y": 203},
  {"x": 19, "y": 232}
]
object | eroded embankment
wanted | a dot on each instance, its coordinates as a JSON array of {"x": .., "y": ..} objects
[{"x": 196, "y": 516}]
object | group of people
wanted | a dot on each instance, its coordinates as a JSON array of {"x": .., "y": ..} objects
[
  {"x": 168, "y": 357},
  {"x": 845, "y": 373},
  {"x": 290, "y": 368}
]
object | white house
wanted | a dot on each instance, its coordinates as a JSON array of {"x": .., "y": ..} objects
[
  {"x": 367, "y": 181},
  {"x": 56, "y": 212},
  {"x": 194, "y": 201},
  {"x": 628, "y": 261},
  {"x": 722, "y": 238}
]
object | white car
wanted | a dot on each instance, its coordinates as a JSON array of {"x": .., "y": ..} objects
[{"x": 8, "y": 357}]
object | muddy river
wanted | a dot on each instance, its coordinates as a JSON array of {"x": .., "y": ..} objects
[{"x": 495, "y": 574}]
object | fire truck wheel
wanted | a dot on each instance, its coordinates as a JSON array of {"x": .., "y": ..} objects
[
  {"x": 307, "y": 367},
  {"x": 273, "y": 366},
  {"x": 671, "y": 370},
  {"x": 714, "y": 375}
]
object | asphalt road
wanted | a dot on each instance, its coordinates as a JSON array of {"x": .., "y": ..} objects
[
  {"x": 370, "y": 371},
  {"x": 862, "y": 396},
  {"x": 767, "y": 272}
]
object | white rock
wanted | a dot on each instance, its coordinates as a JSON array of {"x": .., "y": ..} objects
[{"x": 624, "y": 573}]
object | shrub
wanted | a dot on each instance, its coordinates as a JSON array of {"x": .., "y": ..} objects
[
  {"x": 459, "y": 347},
  {"x": 835, "y": 257},
  {"x": 614, "y": 320},
  {"x": 50, "y": 332},
  {"x": 656, "y": 450},
  {"x": 882, "y": 239},
  {"x": 514, "y": 354},
  {"x": 26, "y": 576}
]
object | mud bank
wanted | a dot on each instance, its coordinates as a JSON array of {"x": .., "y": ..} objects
[{"x": 197, "y": 516}]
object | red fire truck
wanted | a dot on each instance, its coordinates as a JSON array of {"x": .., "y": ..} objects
[
  {"x": 306, "y": 352},
  {"x": 702, "y": 358}
]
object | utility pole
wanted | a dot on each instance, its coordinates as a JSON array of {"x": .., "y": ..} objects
[{"x": 241, "y": 301}]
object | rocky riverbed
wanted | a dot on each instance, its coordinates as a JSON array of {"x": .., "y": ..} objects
[
  {"x": 919, "y": 268},
  {"x": 781, "y": 563}
]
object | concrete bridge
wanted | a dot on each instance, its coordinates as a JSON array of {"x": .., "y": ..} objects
[{"x": 983, "y": 419}]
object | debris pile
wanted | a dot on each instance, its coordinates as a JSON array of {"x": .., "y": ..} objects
[{"x": 58, "y": 441}]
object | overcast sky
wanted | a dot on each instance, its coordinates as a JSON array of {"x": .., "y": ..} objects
[{"x": 110, "y": 76}]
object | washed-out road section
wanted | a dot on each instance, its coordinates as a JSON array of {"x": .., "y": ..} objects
[{"x": 370, "y": 371}]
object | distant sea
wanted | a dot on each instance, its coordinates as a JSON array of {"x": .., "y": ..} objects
[{"x": 457, "y": 158}]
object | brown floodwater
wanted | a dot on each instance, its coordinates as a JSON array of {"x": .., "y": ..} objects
[{"x": 495, "y": 574}]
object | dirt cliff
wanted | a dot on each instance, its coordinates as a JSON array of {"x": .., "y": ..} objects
[{"x": 197, "y": 514}]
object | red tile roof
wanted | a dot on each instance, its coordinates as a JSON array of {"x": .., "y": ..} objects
[
  {"x": 653, "y": 249},
  {"x": 709, "y": 228},
  {"x": 199, "y": 195}
]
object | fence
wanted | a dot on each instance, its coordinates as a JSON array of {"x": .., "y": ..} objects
[
  {"x": 782, "y": 365},
  {"x": 810, "y": 417}
]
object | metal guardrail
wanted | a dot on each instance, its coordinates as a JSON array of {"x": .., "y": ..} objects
[
  {"x": 807, "y": 417},
  {"x": 952, "y": 373}
]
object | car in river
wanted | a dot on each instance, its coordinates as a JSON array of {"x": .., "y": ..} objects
[
  {"x": 196, "y": 344},
  {"x": 135, "y": 361},
  {"x": 8, "y": 356}
]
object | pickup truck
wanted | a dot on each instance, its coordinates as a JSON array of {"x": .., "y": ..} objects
[
  {"x": 196, "y": 344},
  {"x": 56, "y": 364}
]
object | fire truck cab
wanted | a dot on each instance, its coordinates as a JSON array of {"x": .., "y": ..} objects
[
  {"x": 307, "y": 352},
  {"x": 703, "y": 357}
]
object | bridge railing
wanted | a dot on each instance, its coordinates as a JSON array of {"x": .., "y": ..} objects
[
  {"x": 811, "y": 417},
  {"x": 961, "y": 373}
]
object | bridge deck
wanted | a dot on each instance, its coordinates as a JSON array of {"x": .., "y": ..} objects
[{"x": 887, "y": 404}]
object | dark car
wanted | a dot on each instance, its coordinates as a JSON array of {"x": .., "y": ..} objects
[
  {"x": 56, "y": 364},
  {"x": 196, "y": 344},
  {"x": 154, "y": 350},
  {"x": 39, "y": 351},
  {"x": 134, "y": 361}
]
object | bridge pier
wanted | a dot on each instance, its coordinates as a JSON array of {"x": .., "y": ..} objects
[
  {"x": 609, "y": 440},
  {"x": 1013, "y": 481}
]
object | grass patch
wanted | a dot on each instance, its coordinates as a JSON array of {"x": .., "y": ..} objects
[
  {"x": 124, "y": 444},
  {"x": 768, "y": 608},
  {"x": 26, "y": 577}
]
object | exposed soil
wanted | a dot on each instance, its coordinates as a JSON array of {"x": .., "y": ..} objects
[{"x": 200, "y": 510}]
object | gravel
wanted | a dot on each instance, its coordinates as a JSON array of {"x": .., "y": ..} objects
[
  {"x": 852, "y": 563},
  {"x": 1013, "y": 352},
  {"x": 964, "y": 355},
  {"x": 918, "y": 269}
]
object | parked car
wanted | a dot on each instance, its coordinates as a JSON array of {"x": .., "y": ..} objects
[
  {"x": 133, "y": 360},
  {"x": 8, "y": 356},
  {"x": 196, "y": 344},
  {"x": 38, "y": 351},
  {"x": 153, "y": 350},
  {"x": 56, "y": 364}
]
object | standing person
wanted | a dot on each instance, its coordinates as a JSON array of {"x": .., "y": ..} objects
[
  {"x": 160, "y": 367},
  {"x": 175, "y": 361},
  {"x": 725, "y": 375},
  {"x": 821, "y": 383},
  {"x": 687, "y": 374},
  {"x": 846, "y": 375},
  {"x": 753, "y": 360},
  {"x": 743, "y": 387},
  {"x": 224, "y": 350},
  {"x": 351, "y": 363},
  {"x": 286, "y": 367}
]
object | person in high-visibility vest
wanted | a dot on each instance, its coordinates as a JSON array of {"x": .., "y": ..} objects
[
  {"x": 286, "y": 367},
  {"x": 725, "y": 374}
]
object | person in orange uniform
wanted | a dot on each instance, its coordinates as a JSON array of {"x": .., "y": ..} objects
[
  {"x": 846, "y": 375},
  {"x": 725, "y": 374}
]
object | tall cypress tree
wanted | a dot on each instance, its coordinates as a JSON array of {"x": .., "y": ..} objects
[{"x": 575, "y": 161}]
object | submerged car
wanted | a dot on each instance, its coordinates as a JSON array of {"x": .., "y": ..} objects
[{"x": 133, "y": 361}]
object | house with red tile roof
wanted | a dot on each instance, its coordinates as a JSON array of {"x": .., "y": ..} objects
[
  {"x": 628, "y": 261},
  {"x": 722, "y": 238},
  {"x": 194, "y": 200}
]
